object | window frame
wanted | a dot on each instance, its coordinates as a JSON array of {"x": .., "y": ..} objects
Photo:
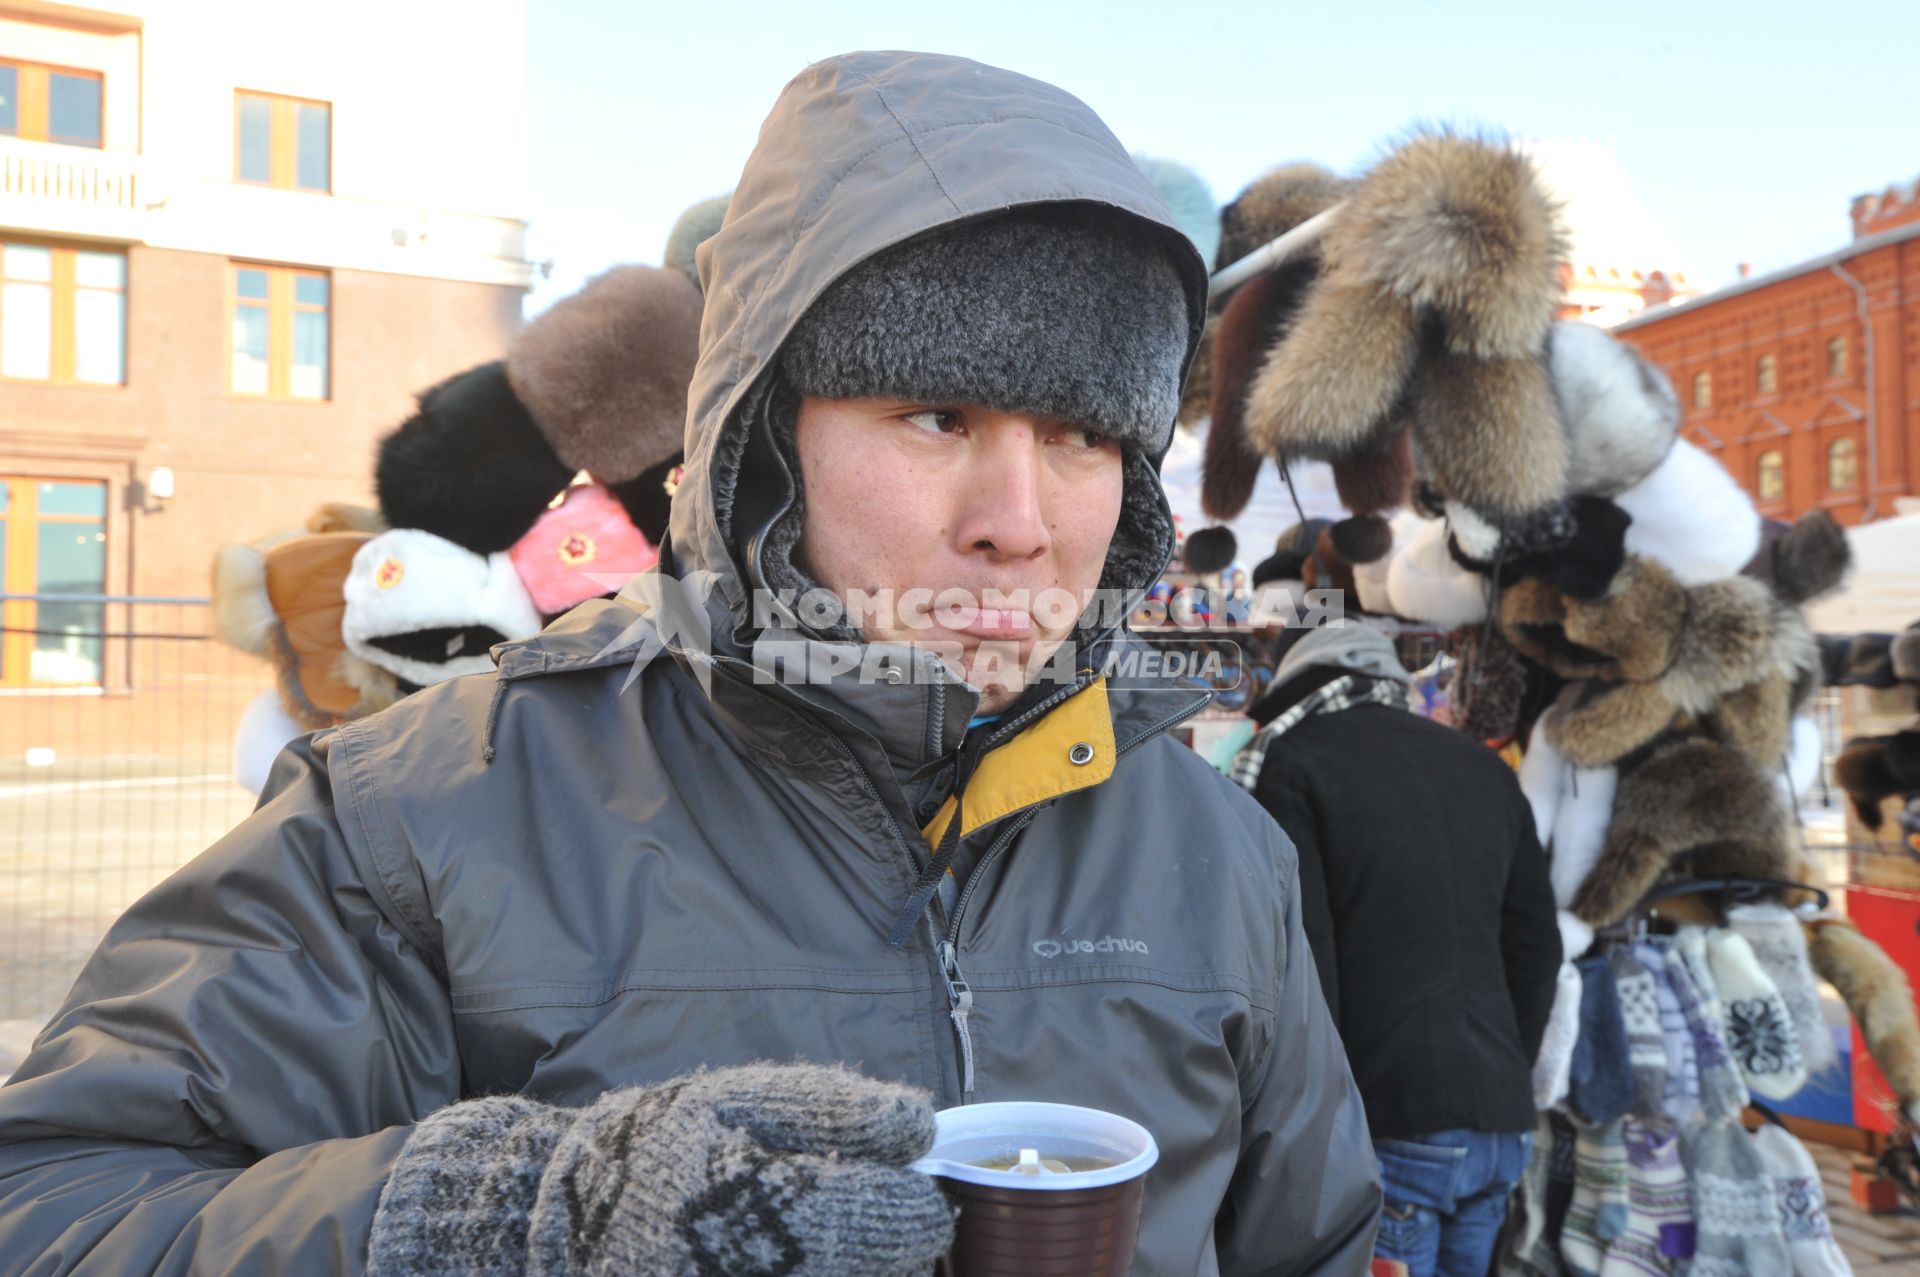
[
  {"x": 281, "y": 308},
  {"x": 35, "y": 107},
  {"x": 283, "y": 142},
  {"x": 1760, "y": 469},
  {"x": 1703, "y": 388},
  {"x": 19, "y": 564},
  {"x": 1839, "y": 346},
  {"x": 64, "y": 351},
  {"x": 1852, "y": 455},
  {"x": 1766, "y": 375}
]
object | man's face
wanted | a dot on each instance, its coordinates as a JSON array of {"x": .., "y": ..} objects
[{"x": 999, "y": 519}]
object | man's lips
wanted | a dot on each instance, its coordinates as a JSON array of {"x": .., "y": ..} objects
[{"x": 985, "y": 622}]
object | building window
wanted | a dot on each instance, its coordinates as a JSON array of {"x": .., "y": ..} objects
[
  {"x": 51, "y": 104},
  {"x": 1766, "y": 377},
  {"x": 53, "y": 541},
  {"x": 284, "y": 142},
  {"x": 1772, "y": 477},
  {"x": 1703, "y": 390},
  {"x": 63, "y": 314},
  {"x": 1836, "y": 356},
  {"x": 1843, "y": 465},
  {"x": 280, "y": 333}
]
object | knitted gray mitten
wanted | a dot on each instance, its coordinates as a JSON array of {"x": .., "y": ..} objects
[{"x": 766, "y": 1170}]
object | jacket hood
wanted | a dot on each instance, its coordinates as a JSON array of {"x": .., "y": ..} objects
[{"x": 862, "y": 152}]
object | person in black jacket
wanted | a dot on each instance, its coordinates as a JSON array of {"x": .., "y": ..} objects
[{"x": 1431, "y": 920}]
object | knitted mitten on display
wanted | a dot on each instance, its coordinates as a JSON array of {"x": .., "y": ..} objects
[
  {"x": 1737, "y": 1225},
  {"x": 1759, "y": 1027},
  {"x": 1659, "y": 1231},
  {"x": 1553, "y": 1066},
  {"x": 1802, "y": 1204},
  {"x": 1599, "y": 1208},
  {"x": 1681, "y": 1101},
  {"x": 1646, "y": 1046},
  {"x": 1723, "y": 1091},
  {"x": 797, "y": 1170},
  {"x": 1600, "y": 1079},
  {"x": 1780, "y": 943}
]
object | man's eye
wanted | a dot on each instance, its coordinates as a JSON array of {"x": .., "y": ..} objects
[
  {"x": 1083, "y": 439},
  {"x": 935, "y": 422}
]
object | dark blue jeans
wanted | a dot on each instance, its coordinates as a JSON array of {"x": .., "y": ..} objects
[{"x": 1447, "y": 1197}]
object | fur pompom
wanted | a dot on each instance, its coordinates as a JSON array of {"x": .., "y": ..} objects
[
  {"x": 1811, "y": 559},
  {"x": 1188, "y": 198},
  {"x": 1209, "y": 550},
  {"x": 693, "y": 228},
  {"x": 1361, "y": 539}
]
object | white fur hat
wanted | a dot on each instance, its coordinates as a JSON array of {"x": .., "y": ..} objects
[
  {"x": 426, "y": 609},
  {"x": 1690, "y": 517}
]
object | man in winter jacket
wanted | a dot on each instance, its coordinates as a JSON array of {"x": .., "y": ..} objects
[
  {"x": 441, "y": 1004},
  {"x": 1428, "y": 909}
]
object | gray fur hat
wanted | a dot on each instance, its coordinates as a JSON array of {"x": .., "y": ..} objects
[{"x": 1065, "y": 312}]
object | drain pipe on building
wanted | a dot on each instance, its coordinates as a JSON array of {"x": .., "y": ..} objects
[{"x": 1866, "y": 353}]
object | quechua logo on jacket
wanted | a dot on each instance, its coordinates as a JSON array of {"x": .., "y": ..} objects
[{"x": 1072, "y": 948}]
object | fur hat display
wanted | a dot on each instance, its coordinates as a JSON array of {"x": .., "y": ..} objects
[
  {"x": 1077, "y": 317},
  {"x": 582, "y": 548},
  {"x": 425, "y": 609},
  {"x": 604, "y": 373},
  {"x": 280, "y": 599},
  {"x": 1619, "y": 411}
]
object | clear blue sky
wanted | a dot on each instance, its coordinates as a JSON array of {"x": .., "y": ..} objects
[{"x": 1745, "y": 128}]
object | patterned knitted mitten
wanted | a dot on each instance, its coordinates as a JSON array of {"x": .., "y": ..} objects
[
  {"x": 794, "y": 1170},
  {"x": 1723, "y": 1091},
  {"x": 1759, "y": 1027},
  {"x": 1780, "y": 943},
  {"x": 1599, "y": 1208},
  {"x": 1681, "y": 1101},
  {"x": 1659, "y": 1231},
  {"x": 1646, "y": 1046},
  {"x": 1738, "y": 1231},
  {"x": 1802, "y": 1205}
]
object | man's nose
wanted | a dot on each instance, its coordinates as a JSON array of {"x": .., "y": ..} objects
[{"x": 1004, "y": 501}]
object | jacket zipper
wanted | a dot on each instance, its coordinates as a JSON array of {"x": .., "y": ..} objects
[
  {"x": 959, "y": 992},
  {"x": 959, "y": 1007}
]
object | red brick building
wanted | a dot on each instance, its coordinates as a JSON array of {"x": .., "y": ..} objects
[{"x": 1805, "y": 382}]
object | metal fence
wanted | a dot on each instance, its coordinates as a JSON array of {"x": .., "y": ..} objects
[{"x": 107, "y": 789}]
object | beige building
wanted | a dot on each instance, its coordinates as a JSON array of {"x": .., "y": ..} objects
[{"x": 235, "y": 237}]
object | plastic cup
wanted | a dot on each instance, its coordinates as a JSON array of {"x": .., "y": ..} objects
[{"x": 1011, "y": 1224}]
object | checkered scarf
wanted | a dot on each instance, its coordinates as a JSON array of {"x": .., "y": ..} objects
[{"x": 1342, "y": 693}]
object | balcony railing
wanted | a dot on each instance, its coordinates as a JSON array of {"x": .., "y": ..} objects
[{"x": 69, "y": 188}]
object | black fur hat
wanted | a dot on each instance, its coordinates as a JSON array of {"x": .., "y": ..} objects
[
  {"x": 1060, "y": 312},
  {"x": 470, "y": 465}
]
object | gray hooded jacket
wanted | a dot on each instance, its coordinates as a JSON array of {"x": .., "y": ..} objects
[{"x": 619, "y": 857}]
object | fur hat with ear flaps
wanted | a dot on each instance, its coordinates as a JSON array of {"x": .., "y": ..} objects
[
  {"x": 280, "y": 598},
  {"x": 1440, "y": 279}
]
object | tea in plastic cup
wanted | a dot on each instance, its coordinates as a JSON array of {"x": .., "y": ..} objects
[{"x": 1043, "y": 1190}]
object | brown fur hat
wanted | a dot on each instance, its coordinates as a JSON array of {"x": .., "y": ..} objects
[
  {"x": 1695, "y": 799},
  {"x": 1256, "y": 315},
  {"x": 1873, "y": 769},
  {"x": 1652, "y": 652},
  {"x": 1197, "y": 394},
  {"x": 1442, "y": 269},
  {"x": 1274, "y": 204},
  {"x": 282, "y": 599},
  {"x": 1878, "y": 997},
  {"x": 605, "y": 372}
]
